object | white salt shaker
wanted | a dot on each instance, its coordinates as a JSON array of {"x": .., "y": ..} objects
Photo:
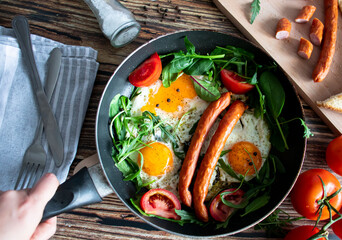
[{"x": 116, "y": 22}]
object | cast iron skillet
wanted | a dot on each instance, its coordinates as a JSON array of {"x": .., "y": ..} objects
[{"x": 68, "y": 198}]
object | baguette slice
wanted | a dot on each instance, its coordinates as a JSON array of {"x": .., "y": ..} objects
[{"x": 333, "y": 103}]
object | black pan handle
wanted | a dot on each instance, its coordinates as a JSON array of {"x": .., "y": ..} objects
[{"x": 77, "y": 191}]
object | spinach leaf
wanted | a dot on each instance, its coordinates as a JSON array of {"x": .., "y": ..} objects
[
  {"x": 273, "y": 91},
  {"x": 199, "y": 67},
  {"x": 168, "y": 76},
  {"x": 114, "y": 106},
  {"x": 206, "y": 90},
  {"x": 190, "y": 48},
  {"x": 255, "y": 9}
]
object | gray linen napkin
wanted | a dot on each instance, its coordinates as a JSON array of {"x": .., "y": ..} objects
[{"x": 18, "y": 107}]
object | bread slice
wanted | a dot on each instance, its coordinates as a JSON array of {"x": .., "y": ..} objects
[{"x": 333, "y": 103}]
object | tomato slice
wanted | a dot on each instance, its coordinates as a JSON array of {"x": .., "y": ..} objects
[
  {"x": 160, "y": 202},
  {"x": 147, "y": 73},
  {"x": 219, "y": 211},
  {"x": 302, "y": 233},
  {"x": 234, "y": 82}
]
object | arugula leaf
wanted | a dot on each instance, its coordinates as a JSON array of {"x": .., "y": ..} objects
[
  {"x": 205, "y": 89},
  {"x": 256, "y": 204},
  {"x": 228, "y": 169},
  {"x": 188, "y": 217},
  {"x": 255, "y": 9},
  {"x": 276, "y": 225},
  {"x": 122, "y": 126}
]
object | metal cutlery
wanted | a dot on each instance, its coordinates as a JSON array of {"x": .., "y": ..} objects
[
  {"x": 35, "y": 156},
  {"x": 54, "y": 138}
]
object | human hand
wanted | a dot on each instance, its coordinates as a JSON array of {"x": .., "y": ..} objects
[{"x": 21, "y": 211}]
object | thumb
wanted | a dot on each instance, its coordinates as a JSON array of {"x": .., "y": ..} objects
[{"x": 44, "y": 190}]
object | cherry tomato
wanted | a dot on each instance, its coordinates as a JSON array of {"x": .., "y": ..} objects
[
  {"x": 147, "y": 73},
  {"x": 219, "y": 211},
  {"x": 302, "y": 233},
  {"x": 160, "y": 202},
  {"x": 334, "y": 155},
  {"x": 337, "y": 228},
  {"x": 308, "y": 190},
  {"x": 234, "y": 82}
]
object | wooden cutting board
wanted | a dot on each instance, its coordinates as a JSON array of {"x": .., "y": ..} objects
[{"x": 262, "y": 32}]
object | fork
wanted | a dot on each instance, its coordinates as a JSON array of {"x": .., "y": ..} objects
[{"x": 35, "y": 156}]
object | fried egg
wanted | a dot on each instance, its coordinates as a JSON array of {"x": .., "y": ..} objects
[{"x": 180, "y": 107}]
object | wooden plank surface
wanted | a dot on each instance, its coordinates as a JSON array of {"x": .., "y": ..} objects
[
  {"x": 262, "y": 32},
  {"x": 72, "y": 22}
]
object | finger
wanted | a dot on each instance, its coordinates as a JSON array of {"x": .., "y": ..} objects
[
  {"x": 45, "y": 188},
  {"x": 45, "y": 230}
]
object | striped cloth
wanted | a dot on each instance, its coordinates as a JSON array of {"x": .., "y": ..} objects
[{"x": 18, "y": 107}]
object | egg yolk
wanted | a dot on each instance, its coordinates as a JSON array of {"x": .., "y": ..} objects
[
  {"x": 173, "y": 98},
  {"x": 243, "y": 156},
  {"x": 158, "y": 159}
]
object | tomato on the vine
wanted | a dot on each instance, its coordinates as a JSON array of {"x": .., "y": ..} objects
[
  {"x": 219, "y": 211},
  {"x": 334, "y": 155},
  {"x": 308, "y": 191},
  {"x": 160, "y": 202},
  {"x": 147, "y": 73},
  {"x": 302, "y": 233},
  {"x": 234, "y": 82},
  {"x": 337, "y": 228}
]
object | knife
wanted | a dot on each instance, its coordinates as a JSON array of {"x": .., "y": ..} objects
[
  {"x": 54, "y": 64},
  {"x": 21, "y": 29}
]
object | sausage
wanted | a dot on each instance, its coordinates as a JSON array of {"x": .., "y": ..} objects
[
  {"x": 305, "y": 14},
  {"x": 316, "y": 32},
  {"x": 283, "y": 29},
  {"x": 305, "y": 48},
  {"x": 329, "y": 41},
  {"x": 189, "y": 164},
  {"x": 212, "y": 155}
]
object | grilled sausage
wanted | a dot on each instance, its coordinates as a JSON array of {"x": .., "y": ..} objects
[
  {"x": 316, "y": 32},
  {"x": 283, "y": 29},
  {"x": 305, "y": 14},
  {"x": 305, "y": 48},
  {"x": 212, "y": 155},
  {"x": 328, "y": 49},
  {"x": 189, "y": 165}
]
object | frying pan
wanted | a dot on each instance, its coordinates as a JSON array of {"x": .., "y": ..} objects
[{"x": 90, "y": 185}]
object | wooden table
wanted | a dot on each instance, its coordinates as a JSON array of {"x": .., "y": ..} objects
[{"x": 72, "y": 22}]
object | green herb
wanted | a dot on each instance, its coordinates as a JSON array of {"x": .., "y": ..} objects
[
  {"x": 206, "y": 90},
  {"x": 276, "y": 224},
  {"x": 127, "y": 132},
  {"x": 228, "y": 169},
  {"x": 188, "y": 62},
  {"x": 274, "y": 99},
  {"x": 257, "y": 203},
  {"x": 307, "y": 131},
  {"x": 255, "y": 9}
]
